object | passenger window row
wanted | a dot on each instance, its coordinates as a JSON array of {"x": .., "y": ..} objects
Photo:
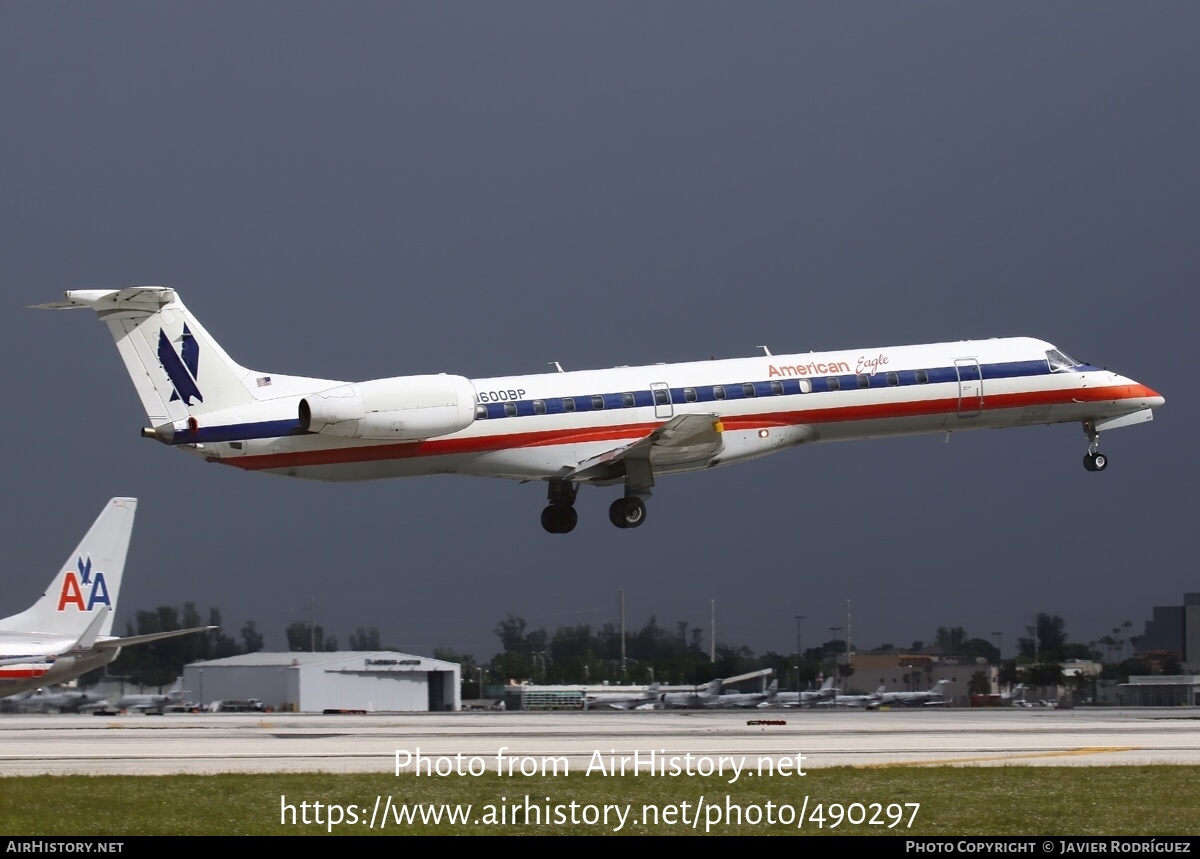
[{"x": 707, "y": 393}]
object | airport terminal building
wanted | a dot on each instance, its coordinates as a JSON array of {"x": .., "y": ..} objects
[{"x": 316, "y": 682}]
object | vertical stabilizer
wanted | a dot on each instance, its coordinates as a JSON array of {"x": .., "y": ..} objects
[
  {"x": 88, "y": 582},
  {"x": 178, "y": 369}
]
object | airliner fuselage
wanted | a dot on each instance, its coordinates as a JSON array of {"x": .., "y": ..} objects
[{"x": 624, "y": 425}]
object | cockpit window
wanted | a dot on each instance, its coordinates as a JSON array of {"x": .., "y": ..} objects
[{"x": 1060, "y": 361}]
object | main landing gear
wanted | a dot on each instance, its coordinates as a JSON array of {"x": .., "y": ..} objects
[
  {"x": 1094, "y": 460},
  {"x": 627, "y": 512},
  {"x": 560, "y": 517}
]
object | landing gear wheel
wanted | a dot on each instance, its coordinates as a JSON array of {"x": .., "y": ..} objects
[
  {"x": 559, "y": 519},
  {"x": 1095, "y": 462},
  {"x": 627, "y": 512}
]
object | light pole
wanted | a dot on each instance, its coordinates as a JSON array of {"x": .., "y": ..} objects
[
  {"x": 833, "y": 631},
  {"x": 799, "y": 651}
]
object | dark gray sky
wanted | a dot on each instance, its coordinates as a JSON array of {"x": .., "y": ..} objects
[{"x": 365, "y": 190}]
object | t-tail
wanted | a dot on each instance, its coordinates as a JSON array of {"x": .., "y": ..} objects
[
  {"x": 185, "y": 380},
  {"x": 86, "y": 588}
]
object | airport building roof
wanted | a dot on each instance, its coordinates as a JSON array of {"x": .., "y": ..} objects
[{"x": 374, "y": 658}]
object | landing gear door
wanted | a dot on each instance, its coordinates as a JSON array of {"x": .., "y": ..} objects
[
  {"x": 661, "y": 392},
  {"x": 970, "y": 387}
]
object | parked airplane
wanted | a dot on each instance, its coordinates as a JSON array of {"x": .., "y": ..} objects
[
  {"x": 1017, "y": 693},
  {"x": 56, "y": 699},
  {"x": 865, "y": 701},
  {"x": 805, "y": 697},
  {"x": 936, "y": 695},
  {"x": 690, "y": 700},
  {"x": 151, "y": 703},
  {"x": 625, "y": 426},
  {"x": 629, "y": 702},
  {"x": 745, "y": 699},
  {"x": 66, "y": 632}
]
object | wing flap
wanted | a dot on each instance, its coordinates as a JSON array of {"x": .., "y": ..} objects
[{"x": 684, "y": 438}]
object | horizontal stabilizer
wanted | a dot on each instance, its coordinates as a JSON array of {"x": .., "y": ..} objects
[
  {"x": 112, "y": 643},
  {"x": 149, "y": 297}
]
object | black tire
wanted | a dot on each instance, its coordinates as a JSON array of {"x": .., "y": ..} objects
[
  {"x": 550, "y": 519},
  {"x": 616, "y": 513},
  {"x": 633, "y": 512},
  {"x": 567, "y": 520},
  {"x": 1099, "y": 462},
  {"x": 1088, "y": 463}
]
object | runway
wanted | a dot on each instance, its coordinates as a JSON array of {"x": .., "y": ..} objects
[{"x": 285, "y": 742}]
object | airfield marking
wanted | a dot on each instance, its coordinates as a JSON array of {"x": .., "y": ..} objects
[{"x": 1087, "y": 750}]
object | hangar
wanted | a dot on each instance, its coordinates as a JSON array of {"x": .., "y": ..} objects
[{"x": 339, "y": 680}]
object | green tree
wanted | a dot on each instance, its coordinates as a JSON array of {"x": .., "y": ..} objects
[
  {"x": 1045, "y": 674},
  {"x": 950, "y": 640},
  {"x": 1009, "y": 674},
  {"x": 252, "y": 640},
  {"x": 158, "y": 663},
  {"x": 979, "y": 684},
  {"x": 303, "y": 637},
  {"x": 365, "y": 639},
  {"x": 1050, "y": 633}
]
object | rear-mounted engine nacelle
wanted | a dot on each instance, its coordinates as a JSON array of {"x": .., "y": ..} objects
[{"x": 404, "y": 408}]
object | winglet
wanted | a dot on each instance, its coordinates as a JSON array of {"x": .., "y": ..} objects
[{"x": 88, "y": 639}]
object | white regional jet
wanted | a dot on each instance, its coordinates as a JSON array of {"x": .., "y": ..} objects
[
  {"x": 624, "y": 426},
  {"x": 934, "y": 696},
  {"x": 730, "y": 700},
  {"x": 152, "y": 703},
  {"x": 66, "y": 632},
  {"x": 694, "y": 700},
  {"x": 805, "y": 697}
]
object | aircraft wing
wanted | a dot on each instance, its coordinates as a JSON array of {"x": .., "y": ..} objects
[
  {"x": 684, "y": 438},
  {"x": 111, "y": 643}
]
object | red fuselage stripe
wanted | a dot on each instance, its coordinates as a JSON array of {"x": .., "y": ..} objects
[{"x": 834, "y": 414}]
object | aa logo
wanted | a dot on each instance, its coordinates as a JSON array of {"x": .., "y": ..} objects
[{"x": 83, "y": 590}]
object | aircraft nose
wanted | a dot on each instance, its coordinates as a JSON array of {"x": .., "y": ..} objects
[
  {"x": 1152, "y": 397},
  {"x": 1146, "y": 397}
]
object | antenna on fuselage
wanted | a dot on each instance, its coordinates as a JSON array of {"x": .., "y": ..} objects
[
  {"x": 557, "y": 366},
  {"x": 766, "y": 351}
]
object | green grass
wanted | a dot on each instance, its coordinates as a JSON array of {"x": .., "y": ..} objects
[{"x": 1157, "y": 800}]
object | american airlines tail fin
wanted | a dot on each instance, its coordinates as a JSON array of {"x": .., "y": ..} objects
[
  {"x": 87, "y": 586},
  {"x": 179, "y": 371}
]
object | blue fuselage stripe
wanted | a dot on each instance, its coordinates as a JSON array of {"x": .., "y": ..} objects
[{"x": 789, "y": 386}]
